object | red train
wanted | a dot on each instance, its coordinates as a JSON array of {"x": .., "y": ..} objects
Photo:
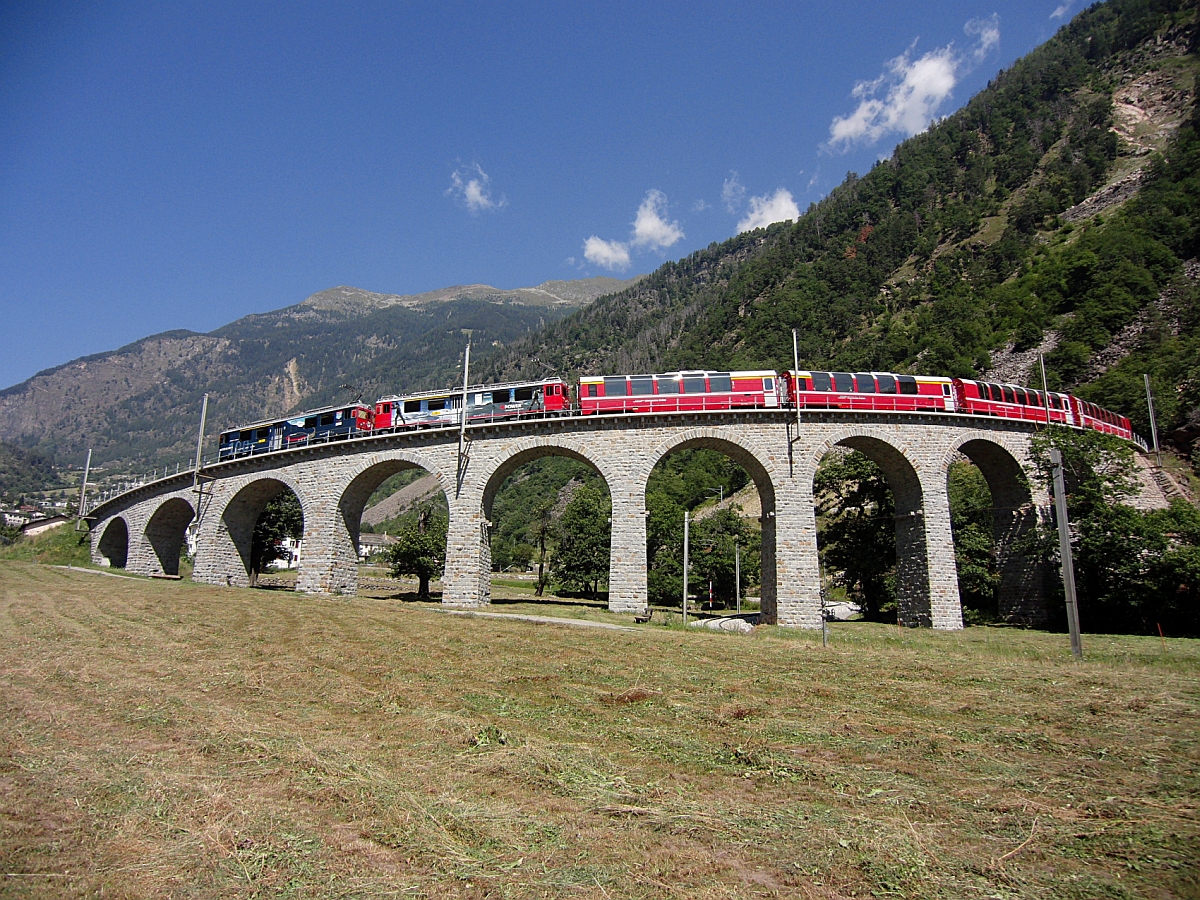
[{"x": 690, "y": 391}]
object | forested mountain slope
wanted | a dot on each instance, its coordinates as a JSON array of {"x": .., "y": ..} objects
[
  {"x": 1056, "y": 209},
  {"x": 140, "y": 405}
]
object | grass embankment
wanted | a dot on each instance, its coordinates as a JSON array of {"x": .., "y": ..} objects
[
  {"x": 62, "y": 546},
  {"x": 171, "y": 739}
]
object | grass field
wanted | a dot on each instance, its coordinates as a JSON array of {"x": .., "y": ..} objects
[{"x": 177, "y": 740}]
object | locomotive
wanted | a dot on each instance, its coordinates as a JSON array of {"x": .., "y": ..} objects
[{"x": 686, "y": 391}]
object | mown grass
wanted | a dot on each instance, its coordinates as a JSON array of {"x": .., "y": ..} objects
[{"x": 171, "y": 739}]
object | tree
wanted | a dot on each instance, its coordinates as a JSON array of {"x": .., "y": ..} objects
[
  {"x": 420, "y": 550},
  {"x": 713, "y": 557},
  {"x": 971, "y": 518},
  {"x": 1134, "y": 571},
  {"x": 281, "y": 518},
  {"x": 581, "y": 563},
  {"x": 856, "y": 518}
]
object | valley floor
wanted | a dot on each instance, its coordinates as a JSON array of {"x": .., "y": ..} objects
[{"x": 168, "y": 739}]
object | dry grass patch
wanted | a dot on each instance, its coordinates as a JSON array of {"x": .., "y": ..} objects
[{"x": 170, "y": 739}]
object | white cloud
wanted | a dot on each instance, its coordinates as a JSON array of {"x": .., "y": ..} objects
[
  {"x": 1062, "y": 9},
  {"x": 651, "y": 231},
  {"x": 733, "y": 192},
  {"x": 472, "y": 187},
  {"x": 988, "y": 32},
  {"x": 779, "y": 207},
  {"x": 651, "y": 228},
  {"x": 611, "y": 255},
  {"x": 700, "y": 205},
  {"x": 913, "y": 89}
]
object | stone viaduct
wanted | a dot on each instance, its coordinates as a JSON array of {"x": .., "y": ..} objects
[{"x": 143, "y": 529}]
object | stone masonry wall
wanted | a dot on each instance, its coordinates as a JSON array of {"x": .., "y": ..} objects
[{"x": 333, "y": 482}]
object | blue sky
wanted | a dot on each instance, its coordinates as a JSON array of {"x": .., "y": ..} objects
[{"x": 172, "y": 165}]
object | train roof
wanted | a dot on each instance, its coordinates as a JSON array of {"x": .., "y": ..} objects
[
  {"x": 871, "y": 372},
  {"x": 457, "y": 392},
  {"x": 1010, "y": 384},
  {"x": 299, "y": 415}
]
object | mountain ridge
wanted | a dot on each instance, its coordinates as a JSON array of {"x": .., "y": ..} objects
[{"x": 139, "y": 403}]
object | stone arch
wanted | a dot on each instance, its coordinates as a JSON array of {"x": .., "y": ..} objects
[
  {"x": 165, "y": 534},
  {"x": 913, "y": 593},
  {"x": 760, "y": 474},
  {"x": 113, "y": 545},
  {"x": 527, "y": 451},
  {"x": 340, "y": 574},
  {"x": 240, "y": 515},
  {"x": 1021, "y": 593}
]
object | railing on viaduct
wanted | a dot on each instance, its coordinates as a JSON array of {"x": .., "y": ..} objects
[{"x": 143, "y": 529}]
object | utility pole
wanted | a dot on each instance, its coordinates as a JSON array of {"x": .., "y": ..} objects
[
  {"x": 1153, "y": 424},
  {"x": 737, "y": 574},
  {"x": 796, "y": 375},
  {"x": 87, "y": 468},
  {"x": 1045, "y": 390},
  {"x": 685, "y": 566},
  {"x": 1064, "y": 549},
  {"x": 200, "y": 443},
  {"x": 462, "y": 419}
]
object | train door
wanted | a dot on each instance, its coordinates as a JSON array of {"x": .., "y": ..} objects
[{"x": 276, "y": 440}]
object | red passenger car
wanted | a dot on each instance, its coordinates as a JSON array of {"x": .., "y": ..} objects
[
  {"x": 485, "y": 403},
  {"x": 868, "y": 391},
  {"x": 1011, "y": 401},
  {"x": 1089, "y": 415},
  {"x": 678, "y": 392}
]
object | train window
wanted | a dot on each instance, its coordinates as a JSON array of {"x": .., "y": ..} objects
[
  {"x": 412, "y": 406},
  {"x": 1022, "y": 398},
  {"x": 436, "y": 405},
  {"x": 865, "y": 383},
  {"x": 500, "y": 396},
  {"x": 720, "y": 382},
  {"x": 1035, "y": 397},
  {"x": 908, "y": 384},
  {"x": 591, "y": 390},
  {"x": 523, "y": 394},
  {"x": 326, "y": 419},
  {"x": 887, "y": 384},
  {"x": 668, "y": 385},
  {"x": 768, "y": 384},
  {"x": 641, "y": 386},
  {"x": 842, "y": 381},
  {"x": 822, "y": 381},
  {"x": 694, "y": 385},
  {"x": 1009, "y": 396},
  {"x": 1055, "y": 402},
  {"x": 616, "y": 387}
]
